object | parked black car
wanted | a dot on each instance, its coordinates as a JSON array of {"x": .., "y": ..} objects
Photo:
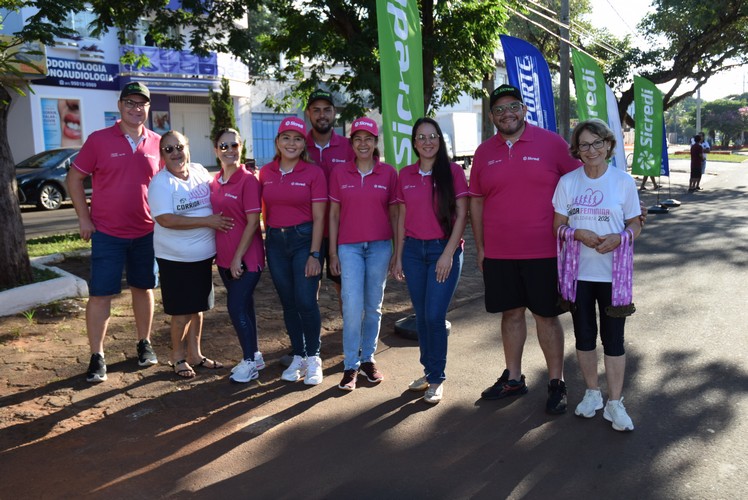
[{"x": 41, "y": 178}]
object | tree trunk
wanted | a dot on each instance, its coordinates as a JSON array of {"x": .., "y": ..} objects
[
  {"x": 487, "y": 127},
  {"x": 15, "y": 268}
]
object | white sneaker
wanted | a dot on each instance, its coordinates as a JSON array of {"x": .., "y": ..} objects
[
  {"x": 419, "y": 385},
  {"x": 592, "y": 401},
  {"x": 615, "y": 412},
  {"x": 259, "y": 361},
  {"x": 434, "y": 394},
  {"x": 295, "y": 370},
  {"x": 244, "y": 372},
  {"x": 313, "y": 371}
]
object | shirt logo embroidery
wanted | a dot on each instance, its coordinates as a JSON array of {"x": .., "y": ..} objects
[
  {"x": 530, "y": 158},
  {"x": 302, "y": 184}
]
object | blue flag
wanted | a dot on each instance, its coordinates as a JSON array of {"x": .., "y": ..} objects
[
  {"x": 528, "y": 71},
  {"x": 665, "y": 166}
]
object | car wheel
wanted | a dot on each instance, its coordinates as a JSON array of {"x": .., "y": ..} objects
[{"x": 50, "y": 197}]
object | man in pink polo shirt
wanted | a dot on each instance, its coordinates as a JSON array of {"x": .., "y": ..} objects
[
  {"x": 121, "y": 160},
  {"x": 326, "y": 149},
  {"x": 512, "y": 182}
]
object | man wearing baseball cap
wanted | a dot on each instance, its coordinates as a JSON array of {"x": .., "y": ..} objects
[
  {"x": 512, "y": 182},
  {"x": 326, "y": 149},
  {"x": 121, "y": 161}
]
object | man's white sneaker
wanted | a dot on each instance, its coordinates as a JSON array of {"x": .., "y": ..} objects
[
  {"x": 259, "y": 361},
  {"x": 434, "y": 394},
  {"x": 313, "y": 371},
  {"x": 592, "y": 401},
  {"x": 244, "y": 372},
  {"x": 615, "y": 413},
  {"x": 295, "y": 370}
]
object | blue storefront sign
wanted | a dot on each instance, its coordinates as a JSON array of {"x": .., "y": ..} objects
[{"x": 80, "y": 74}]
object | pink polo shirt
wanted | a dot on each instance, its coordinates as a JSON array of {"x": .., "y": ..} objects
[
  {"x": 287, "y": 199},
  {"x": 120, "y": 178},
  {"x": 517, "y": 185},
  {"x": 416, "y": 191},
  {"x": 364, "y": 202},
  {"x": 237, "y": 198},
  {"x": 337, "y": 152}
]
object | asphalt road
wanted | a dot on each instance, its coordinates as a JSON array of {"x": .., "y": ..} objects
[{"x": 38, "y": 222}]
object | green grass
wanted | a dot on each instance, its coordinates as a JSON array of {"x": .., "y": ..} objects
[
  {"x": 714, "y": 157},
  {"x": 39, "y": 275},
  {"x": 59, "y": 243}
]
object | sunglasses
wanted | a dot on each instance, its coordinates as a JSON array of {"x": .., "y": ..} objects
[
  {"x": 224, "y": 146},
  {"x": 427, "y": 137},
  {"x": 169, "y": 149}
]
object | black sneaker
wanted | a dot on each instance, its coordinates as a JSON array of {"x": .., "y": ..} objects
[
  {"x": 556, "y": 403},
  {"x": 96, "y": 369},
  {"x": 146, "y": 356},
  {"x": 504, "y": 387}
]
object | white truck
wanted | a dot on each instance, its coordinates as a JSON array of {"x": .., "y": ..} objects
[{"x": 461, "y": 132}]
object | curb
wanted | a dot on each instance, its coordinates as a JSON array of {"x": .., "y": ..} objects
[{"x": 27, "y": 297}]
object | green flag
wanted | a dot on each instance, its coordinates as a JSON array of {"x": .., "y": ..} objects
[
  {"x": 401, "y": 73},
  {"x": 648, "y": 127},
  {"x": 590, "y": 85}
]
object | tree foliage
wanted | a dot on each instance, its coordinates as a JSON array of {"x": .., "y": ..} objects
[
  {"x": 688, "y": 42},
  {"x": 223, "y": 115},
  {"x": 728, "y": 116},
  {"x": 335, "y": 41}
]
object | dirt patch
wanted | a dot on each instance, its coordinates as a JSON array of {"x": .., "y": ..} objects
[{"x": 43, "y": 357}]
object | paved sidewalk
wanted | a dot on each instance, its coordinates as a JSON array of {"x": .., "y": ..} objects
[{"x": 145, "y": 434}]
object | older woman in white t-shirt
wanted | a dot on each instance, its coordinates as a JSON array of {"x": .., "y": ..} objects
[
  {"x": 597, "y": 217},
  {"x": 184, "y": 244}
]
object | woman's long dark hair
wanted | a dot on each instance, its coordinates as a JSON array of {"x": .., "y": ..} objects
[{"x": 445, "y": 203}]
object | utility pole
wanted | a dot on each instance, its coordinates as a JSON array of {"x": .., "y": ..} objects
[{"x": 563, "y": 105}]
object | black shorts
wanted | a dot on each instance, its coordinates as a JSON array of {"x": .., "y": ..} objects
[
  {"x": 326, "y": 256},
  {"x": 186, "y": 287},
  {"x": 530, "y": 283}
]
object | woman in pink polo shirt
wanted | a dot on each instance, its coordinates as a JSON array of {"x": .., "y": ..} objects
[
  {"x": 363, "y": 218},
  {"x": 294, "y": 198},
  {"x": 433, "y": 212},
  {"x": 240, "y": 256}
]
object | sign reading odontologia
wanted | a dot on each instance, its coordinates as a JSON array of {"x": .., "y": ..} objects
[{"x": 80, "y": 74}]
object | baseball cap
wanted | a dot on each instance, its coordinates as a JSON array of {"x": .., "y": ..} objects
[
  {"x": 366, "y": 124},
  {"x": 292, "y": 123},
  {"x": 505, "y": 90},
  {"x": 133, "y": 88},
  {"x": 319, "y": 94}
]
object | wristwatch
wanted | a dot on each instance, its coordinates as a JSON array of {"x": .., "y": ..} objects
[{"x": 314, "y": 254}]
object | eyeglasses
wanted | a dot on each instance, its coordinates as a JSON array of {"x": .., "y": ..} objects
[
  {"x": 427, "y": 137},
  {"x": 169, "y": 149},
  {"x": 503, "y": 108},
  {"x": 224, "y": 146},
  {"x": 130, "y": 104},
  {"x": 585, "y": 146}
]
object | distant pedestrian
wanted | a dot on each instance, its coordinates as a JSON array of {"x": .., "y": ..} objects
[
  {"x": 597, "y": 233},
  {"x": 121, "y": 161},
  {"x": 697, "y": 162},
  {"x": 433, "y": 213},
  {"x": 294, "y": 199},
  {"x": 363, "y": 221}
]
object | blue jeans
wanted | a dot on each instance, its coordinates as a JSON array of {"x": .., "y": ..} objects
[
  {"x": 430, "y": 301},
  {"x": 364, "y": 269},
  {"x": 241, "y": 305},
  {"x": 287, "y": 252}
]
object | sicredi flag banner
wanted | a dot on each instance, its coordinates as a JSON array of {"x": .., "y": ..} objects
[
  {"x": 648, "y": 128},
  {"x": 528, "y": 70},
  {"x": 618, "y": 160},
  {"x": 401, "y": 73},
  {"x": 590, "y": 87}
]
